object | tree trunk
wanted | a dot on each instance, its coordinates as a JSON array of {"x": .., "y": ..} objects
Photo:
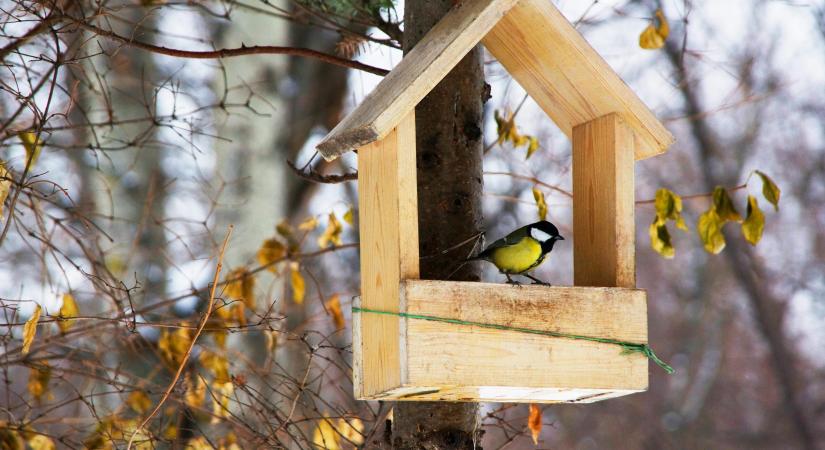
[
  {"x": 745, "y": 266},
  {"x": 449, "y": 160}
]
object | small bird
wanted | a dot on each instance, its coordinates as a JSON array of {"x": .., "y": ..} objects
[{"x": 522, "y": 250}]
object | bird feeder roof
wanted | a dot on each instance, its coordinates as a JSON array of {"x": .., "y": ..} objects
[{"x": 537, "y": 45}]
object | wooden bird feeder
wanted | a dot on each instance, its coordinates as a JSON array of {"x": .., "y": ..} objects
[{"x": 402, "y": 358}]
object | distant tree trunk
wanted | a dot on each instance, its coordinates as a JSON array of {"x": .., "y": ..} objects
[
  {"x": 449, "y": 141},
  {"x": 316, "y": 99},
  {"x": 139, "y": 196},
  {"x": 251, "y": 159},
  {"x": 767, "y": 309}
]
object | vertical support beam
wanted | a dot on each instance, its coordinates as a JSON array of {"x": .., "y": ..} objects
[
  {"x": 603, "y": 191},
  {"x": 388, "y": 217}
]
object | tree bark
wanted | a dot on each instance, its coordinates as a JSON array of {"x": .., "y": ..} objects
[{"x": 449, "y": 161}]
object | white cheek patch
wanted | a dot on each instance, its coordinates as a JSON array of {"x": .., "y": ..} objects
[{"x": 540, "y": 235}]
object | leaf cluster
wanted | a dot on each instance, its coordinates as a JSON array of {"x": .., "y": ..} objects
[
  {"x": 507, "y": 131},
  {"x": 711, "y": 222}
]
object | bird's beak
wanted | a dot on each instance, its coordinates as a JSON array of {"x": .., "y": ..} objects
[{"x": 560, "y": 237}]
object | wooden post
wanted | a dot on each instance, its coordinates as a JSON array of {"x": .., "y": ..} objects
[
  {"x": 603, "y": 191},
  {"x": 388, "y": 208}
]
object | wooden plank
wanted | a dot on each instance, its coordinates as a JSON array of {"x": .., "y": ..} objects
[
  {"x": 565, "y": 75},
  {"x": 388, "y": 209},
  {"x": 502, "y": 394},
  {"x": 603, "y": 201},
  {"x": 565, "y": 309},
  {"x": 415, "y": 76},
  {"x": 450, "y": 355}
]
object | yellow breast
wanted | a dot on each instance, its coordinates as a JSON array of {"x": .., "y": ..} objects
[{"x": 519, "y": 257}]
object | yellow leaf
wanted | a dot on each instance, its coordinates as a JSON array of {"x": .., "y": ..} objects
[
  {"x": 770, "y": 190},
  {"x": 39, "y": 377},
  {"x": 309, "y": 224},
  {"x": 325, "y": 436},
  {"x": 754, "y": 222},
  {"x": 174, "y": 344},
  {"x": 540, "y": 202},
  {"x": 41, "y": 442},
  {"x": 171, "y": 431},
  {"x": 508, "y": 131},
  {"x": 229, "y": 442},
  {"x": 503, "y": 127},
  {"x": 220, "y": 338},
  {"x": 332, "y": 235},
  {"x": 30, "y": 330},
  {"x": 284, "y": 229},
  {"x": 68, "y": 310},
  {"x": 349, "y": 216},
  {"x": 198, "y": 443},
  {"x": 668, "y": 205},
  {"x": 10, "y": 439},
  {"x": 221, "y": 395},
  {"x": 126, "y": 428},
  {"x": 242, "y": 287},
  {"x": 351, "y": 429},
  {"x": 534, "y": 422},
  {"x": 195, "y": 391},
  {"x": 101, "y": 437},
  {"x": 5, "y": 186},
  {"x": 532, "y": 147},
  {"x": 680, "y": 224},
  {"x": 710, "y": 231},
  {"x": 217, "y": 364},
  {"x": 653, "y": 37},
  {"x": 32, "y": 144},
  {"x": 139, "y": 401},
  {"x": 271, "y": 340},
  {"x": 334, "y": 307},
  {"x": 660, "y": 239},
  {"x": 298, "y": 284},
  {"x": 271, "y": 251},
  {"x": 723, "y": 205}
]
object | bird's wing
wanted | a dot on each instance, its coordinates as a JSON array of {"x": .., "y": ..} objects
[{"x": 510, "y": 239}]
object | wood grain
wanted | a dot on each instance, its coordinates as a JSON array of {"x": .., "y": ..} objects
[
  {"x": 566, "y": 76},
  {"x": 447, "y": 357},
  {"x": 415, "y": 76},
  {"x": 565, "y": 309},
  {"x": 502, "y": 394},
  {"x": 388, "y": 213},
  {"x": 603, "y": 201}
]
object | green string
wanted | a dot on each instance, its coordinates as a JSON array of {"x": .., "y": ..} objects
[{"x": 627, "y": 347}]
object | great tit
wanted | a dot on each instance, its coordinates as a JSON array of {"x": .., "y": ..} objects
[{"x": 522, "y": 250}]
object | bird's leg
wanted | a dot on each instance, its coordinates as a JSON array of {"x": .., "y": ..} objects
[
  {"x": 510, "y": 280},
  {"x": 536, "y": 280}
]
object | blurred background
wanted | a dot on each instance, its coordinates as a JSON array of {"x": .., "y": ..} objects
[{"x": 130, "y": 144}]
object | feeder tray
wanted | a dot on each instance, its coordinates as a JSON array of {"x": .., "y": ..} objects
[{"x": 478, "y": 354}]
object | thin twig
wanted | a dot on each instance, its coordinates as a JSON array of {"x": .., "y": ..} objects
[
  {"x": 231, "y": 52},
  {"x": 191, "y": 344},
  {"x": 533, "y": 180},
  {"x": 31, "y": 155},
  {"x": 695, "y": 196},
  {"x": 315, "y": 177}
]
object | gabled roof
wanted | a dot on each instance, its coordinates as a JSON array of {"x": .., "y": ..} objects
[{"x": 537, "y": 46}]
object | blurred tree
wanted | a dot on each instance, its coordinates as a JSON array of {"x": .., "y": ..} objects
[{"x": 163, "y": 122}]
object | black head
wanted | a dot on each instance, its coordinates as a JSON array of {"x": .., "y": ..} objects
[{"x": 546, "y": 233}]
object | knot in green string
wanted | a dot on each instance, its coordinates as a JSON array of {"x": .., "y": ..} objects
[{"x": 627, "y": 347}]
